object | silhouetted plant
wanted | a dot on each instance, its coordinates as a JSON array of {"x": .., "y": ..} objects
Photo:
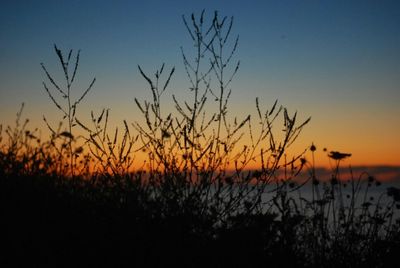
[
  {"x": 67, "y": 105},
  {"x": 194, "y": 154},
  {"x": 343, "y": 219},
  {"x": 112, "y": 155}
]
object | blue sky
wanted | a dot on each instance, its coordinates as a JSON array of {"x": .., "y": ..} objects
[{"x": 337, "y": 61}]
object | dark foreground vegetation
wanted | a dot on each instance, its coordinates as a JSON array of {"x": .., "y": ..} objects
[
  {"x": 115, "y": 221},
  {"x": 82, "y": 200}
]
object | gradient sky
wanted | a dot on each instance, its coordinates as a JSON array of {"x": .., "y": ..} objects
[{"x": 336, "y": 61}]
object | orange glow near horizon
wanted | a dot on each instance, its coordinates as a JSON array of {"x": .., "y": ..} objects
[
  {"x": 363, "y": 154},
  {"x": 325, "y": 166}
]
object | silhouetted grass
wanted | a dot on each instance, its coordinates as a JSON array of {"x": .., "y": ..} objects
[{"x": 84, "y": 201}]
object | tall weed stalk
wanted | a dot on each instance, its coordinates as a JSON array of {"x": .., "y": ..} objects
[
  {"x": 61, "y": 97},
  {"x": 194, "y": 152}
]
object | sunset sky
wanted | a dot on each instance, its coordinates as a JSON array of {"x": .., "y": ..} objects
[{"x": 336, "y": 61}]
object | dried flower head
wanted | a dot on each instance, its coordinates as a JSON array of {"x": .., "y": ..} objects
[
  {"x": 338, "y": 155},
  {"x": 313, "y": 148}
]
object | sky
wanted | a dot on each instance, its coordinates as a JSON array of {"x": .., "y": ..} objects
[{"x": 336, "y": 61}]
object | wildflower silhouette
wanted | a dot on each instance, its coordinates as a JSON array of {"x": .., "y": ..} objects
[{"x": 338, "y": 155}]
